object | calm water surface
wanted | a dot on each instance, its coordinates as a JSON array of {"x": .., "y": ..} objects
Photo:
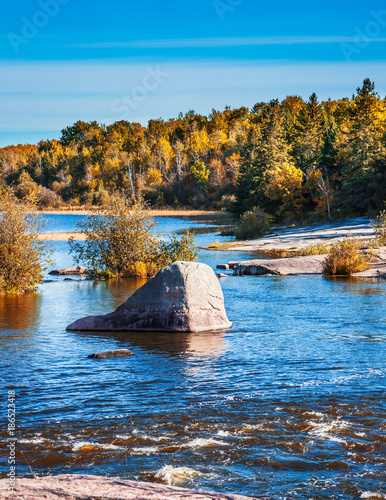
[{"x": 290, "y": 403}]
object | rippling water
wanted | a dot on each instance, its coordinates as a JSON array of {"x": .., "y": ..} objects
[{"x": 290, "y": 403}]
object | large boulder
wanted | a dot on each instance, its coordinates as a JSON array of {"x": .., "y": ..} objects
[{"x": 182, "y": 297}]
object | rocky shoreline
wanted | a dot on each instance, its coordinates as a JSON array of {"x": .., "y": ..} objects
[
  {"x": 303, "y": 265},
  {"x": 85, "y": 487}
]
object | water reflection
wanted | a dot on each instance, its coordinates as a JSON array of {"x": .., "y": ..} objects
[
  {"x": 359, "y": 285},
  {"x": 119, "y": 289},
  {"x": 210, "y": 344},
  {"x": 20, "y": 312}
]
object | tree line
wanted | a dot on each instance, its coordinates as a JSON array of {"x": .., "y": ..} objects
[{"x": 291, "y": 159}]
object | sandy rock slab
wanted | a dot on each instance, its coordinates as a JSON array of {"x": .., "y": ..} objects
[
  {"x": 182, "y": 297},
  {"x": 84, "y": 487},
  {"x": 281, "y": 267},
  {"x": 70, "y": 271}
]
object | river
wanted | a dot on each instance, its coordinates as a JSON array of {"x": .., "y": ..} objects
[{"x": 288, "y": 404}]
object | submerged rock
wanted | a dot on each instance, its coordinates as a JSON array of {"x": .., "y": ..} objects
[
  {"x": 182, "y": 297},
  {"x": 70, "y": 271},
  {"x": 121, "y": 353}
]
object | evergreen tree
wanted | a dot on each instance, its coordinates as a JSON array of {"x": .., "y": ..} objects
[
  {"x": 363, "y": 166},
  {"x": 308, "y": 134}
]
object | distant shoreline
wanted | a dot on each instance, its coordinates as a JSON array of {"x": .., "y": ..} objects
[{"x": 154, "y": 213}]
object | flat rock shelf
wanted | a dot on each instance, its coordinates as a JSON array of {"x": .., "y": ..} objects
[
  {"x": 281, "y": 267},
  {"x": 84, "y": 487}
]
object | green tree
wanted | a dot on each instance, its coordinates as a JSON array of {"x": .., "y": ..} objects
[
  {"x": 362, "y": 186},
  {"x": 309, "y": 134}
]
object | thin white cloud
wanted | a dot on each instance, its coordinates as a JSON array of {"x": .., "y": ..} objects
[
  {"x": 42, "y": 96},
  {"x": 223, "y": 42}
]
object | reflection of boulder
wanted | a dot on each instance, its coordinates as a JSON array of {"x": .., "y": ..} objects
[
  {"x": 194, "y": 344},
  {"x": 183, "y": 297},
  {"x": 202, "y": 344}
]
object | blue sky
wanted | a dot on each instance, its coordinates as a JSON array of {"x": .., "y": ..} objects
[{"x": 65, "y": 60}]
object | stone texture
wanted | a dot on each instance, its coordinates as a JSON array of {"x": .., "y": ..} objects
[
  {"x": 292, "y": 265},
  {"x": 84, "y": 487},
  {"x": 223, "y": 267},
  {"x": 70, "y": 271},
  {"x": 182, "y": 297},
  {"x": 121, "y": 353}
]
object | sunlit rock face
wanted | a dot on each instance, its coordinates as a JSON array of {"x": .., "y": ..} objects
[
  {"x": 182, "y": 297},
  {"x": 84, "y": 487}
]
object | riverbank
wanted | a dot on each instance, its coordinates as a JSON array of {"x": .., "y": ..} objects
[
  {"x": 62, "y": 236},
  {"x": 84, "y": 487},
  {"x": 154, "y": 212}
]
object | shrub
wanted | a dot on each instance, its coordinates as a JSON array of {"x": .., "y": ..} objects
[
  {"x": 22, "y": 254},
  {"x": 175, "y": 249},
  {"x": 48, "y": 198},
  {"x": 226, "y": 202},
  {"x": 344, "y": 259},
  {"x": 380, "y": 228},
  {"x": 313, "y": 249},
  {"x": 253, "y": 224},
  {"x": 119, "y": 240}
]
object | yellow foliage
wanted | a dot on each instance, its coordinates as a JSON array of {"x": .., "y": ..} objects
[
  {"x": 199, "y": 141},
  {"x": 154, "y": 177},
  {"x": 344, "y": 259},
  {"x": 166, "y": 152},
  {"x": 284, "y": 183},
  {"x": 22, "y": 254},
  {"x": 200, "y": 173}
]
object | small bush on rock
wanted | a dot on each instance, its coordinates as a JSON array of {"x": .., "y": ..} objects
[
  {"x": 120, "y": 242},
  {"x": 344, "y": 259}
]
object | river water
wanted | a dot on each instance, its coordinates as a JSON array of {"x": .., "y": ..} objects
[{"x": 288, "y": 404}]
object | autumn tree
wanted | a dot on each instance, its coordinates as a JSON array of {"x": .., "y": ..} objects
[{"x": 23, "y": 255}]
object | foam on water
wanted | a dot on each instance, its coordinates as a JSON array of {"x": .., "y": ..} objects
[
  {"x": 203, "y": 443},
  {"x": 373, "y": 496},
  {"x": 87, "y": 445},
  {"x": 176, "y": 475},
  {"x": 145, "y": 450}
]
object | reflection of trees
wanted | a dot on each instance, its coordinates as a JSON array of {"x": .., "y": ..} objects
[
  {"x": 120, "y": 289},
  {"x": 20, "y": 312}
]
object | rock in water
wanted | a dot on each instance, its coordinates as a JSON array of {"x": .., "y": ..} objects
[
  {"x": 121, "y": 353},
  {"x": 70, "y": 271},
  {"x": 182, "y": 297}
]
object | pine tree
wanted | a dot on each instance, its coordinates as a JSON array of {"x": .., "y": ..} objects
[
  {"x": 362, "y": 167},
  {"x": 308, "y": 134}
]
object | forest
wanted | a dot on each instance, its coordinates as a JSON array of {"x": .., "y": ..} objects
[{"x": 293, "y": 159}]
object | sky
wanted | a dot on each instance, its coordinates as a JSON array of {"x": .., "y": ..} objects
[{"x": 68, "y": 60}]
